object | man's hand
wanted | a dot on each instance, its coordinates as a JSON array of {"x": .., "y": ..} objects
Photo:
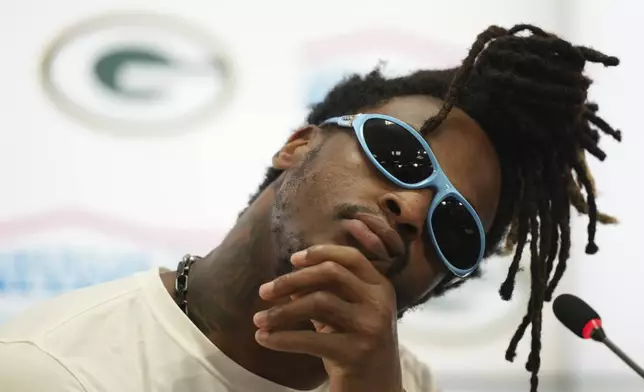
[{"x": 353, "y": 308}]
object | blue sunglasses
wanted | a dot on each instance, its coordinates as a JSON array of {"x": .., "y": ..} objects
[{"x": 404, "y": 157}]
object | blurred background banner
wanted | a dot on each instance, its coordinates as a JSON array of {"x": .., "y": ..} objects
[{"x": 134, "y": 132}]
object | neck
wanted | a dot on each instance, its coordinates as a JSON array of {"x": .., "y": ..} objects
[{"x": 223, "y": 298}]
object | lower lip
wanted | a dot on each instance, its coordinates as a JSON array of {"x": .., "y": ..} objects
[{"x": 367, "y": 238}]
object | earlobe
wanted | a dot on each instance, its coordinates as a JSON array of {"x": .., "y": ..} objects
[
  {"x": 296, "y": 147},
  {"x": 282, "y": 160}
]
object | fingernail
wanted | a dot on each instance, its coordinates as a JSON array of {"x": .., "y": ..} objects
[
  {"x": 261, "y": 334},
  {"x": 260, "y": 318},
  {"x": 298, "y": 257},
  {"x": 266, "y": 289}
]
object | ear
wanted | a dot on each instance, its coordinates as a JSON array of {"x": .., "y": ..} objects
[{"x": 295, "y": 148}]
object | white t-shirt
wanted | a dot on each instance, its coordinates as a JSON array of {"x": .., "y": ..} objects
[{"x": 129, "y": 336}]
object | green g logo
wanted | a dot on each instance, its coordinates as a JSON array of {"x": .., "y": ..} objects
[{"x": 137, "y": 74}]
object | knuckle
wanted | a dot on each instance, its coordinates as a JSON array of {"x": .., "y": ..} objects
[
  {"x": 371, "y": 327},
  {"x": 281, "y": 282},
  {"x": 331, "y": 268},
  {"x": 322, "y": 304},
  {"x": 314, "y": 251},
  {"x": 362, "y": 349},
  {"x": 320, "y": 300},
  {"x": 274, "y": 314}
]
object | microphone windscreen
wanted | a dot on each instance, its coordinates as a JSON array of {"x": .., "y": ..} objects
[{"x": 573, "y": 312}]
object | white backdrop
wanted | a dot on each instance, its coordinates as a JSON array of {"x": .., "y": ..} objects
[{"x": 109, "y": 164}]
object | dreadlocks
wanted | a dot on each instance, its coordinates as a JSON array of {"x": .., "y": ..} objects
[{"x": 528, "y": 92}]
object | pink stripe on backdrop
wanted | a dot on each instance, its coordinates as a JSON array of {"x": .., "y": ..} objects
[
  {"x": 385, "y": 41},
  {"x": 141, "y": 234}
]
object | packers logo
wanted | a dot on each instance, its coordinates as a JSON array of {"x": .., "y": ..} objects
[{"x": 137, "y": 74}]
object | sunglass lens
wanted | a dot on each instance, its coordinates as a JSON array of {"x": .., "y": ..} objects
[
  {"x": 457, "y": 234},
  {"x": 397, "y": 150}
]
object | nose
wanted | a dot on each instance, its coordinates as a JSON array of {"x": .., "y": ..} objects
[{"x": 407, "y": 209}]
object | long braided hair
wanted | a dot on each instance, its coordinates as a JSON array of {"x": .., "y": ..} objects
[
  {"x": 528, "y": 91},
  {"x": 539, "y": 84}
]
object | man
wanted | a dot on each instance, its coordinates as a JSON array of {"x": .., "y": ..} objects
[{"x": 357, "y": 221}]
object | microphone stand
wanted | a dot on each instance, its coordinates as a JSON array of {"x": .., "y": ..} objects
[
  {"x": 623, "y": 357},
  {"x": 600, "y": 336}
]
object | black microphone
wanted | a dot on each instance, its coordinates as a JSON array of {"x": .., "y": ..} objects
[{"x": 584, "y": 322}]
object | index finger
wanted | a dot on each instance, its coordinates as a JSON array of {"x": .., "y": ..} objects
[{"x": 349, "y": 257}]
